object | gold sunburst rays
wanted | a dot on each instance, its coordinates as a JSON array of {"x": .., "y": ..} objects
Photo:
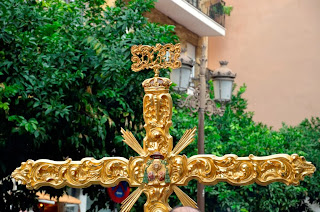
[
  {"x": 128, "y": 203},
  {"x": 184, "y": 198},
  {"x": 185, "y": 140},
  {"x": 131, "y": 141}
]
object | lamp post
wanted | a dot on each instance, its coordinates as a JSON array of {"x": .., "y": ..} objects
[{"x": 201, "y": 102}]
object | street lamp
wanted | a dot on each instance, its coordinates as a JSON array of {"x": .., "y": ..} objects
[
  {"x": 223, "y": 79},
  {"x": 181, "y": 76},
  {"x": 201, "y": 102}
]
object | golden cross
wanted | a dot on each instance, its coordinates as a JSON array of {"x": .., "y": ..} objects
[{"x": 159, "y": 169}]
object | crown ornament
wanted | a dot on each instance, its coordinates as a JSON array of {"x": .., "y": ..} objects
[{"x": 156, "y": 83}]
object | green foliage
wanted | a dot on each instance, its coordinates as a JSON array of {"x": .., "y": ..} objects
[
  {"x": 220, "y": 8},
  {"x": 66, "y": 87},
  {"x": 235, "y": 132}
]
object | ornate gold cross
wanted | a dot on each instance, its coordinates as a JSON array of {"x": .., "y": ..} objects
[{"x": 159, "y": 169}]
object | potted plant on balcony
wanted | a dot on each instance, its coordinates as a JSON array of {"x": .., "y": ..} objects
[{"x": 218, "y": 10}]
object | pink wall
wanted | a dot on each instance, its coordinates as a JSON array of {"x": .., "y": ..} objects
[{"x": 274, "y": 47}]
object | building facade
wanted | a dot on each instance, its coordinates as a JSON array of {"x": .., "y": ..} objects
[{"x": 274, "y": 47}]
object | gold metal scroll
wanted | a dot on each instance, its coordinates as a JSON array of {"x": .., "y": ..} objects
[
  {"x": 210, "y": 169},
  {"x": 155, "y": 57},
  {"x": 159, "y": 169},
  {"x": 77, "y": 174}
]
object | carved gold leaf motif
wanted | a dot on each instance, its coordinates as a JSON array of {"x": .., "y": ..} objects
[{"x": 158, "y": 169}]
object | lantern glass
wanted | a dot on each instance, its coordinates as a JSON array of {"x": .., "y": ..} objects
[
  {"x": 181, "y": 77},
  {"x": 222, "y": 89},
  {"x": 175, "y": 77}
]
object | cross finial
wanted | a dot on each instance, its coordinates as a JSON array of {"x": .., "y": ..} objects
[{"x": 155, "y": 57}]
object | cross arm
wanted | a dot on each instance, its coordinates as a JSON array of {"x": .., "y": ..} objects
[
  {"x": 108, "y": 171},
  {"x": 210, "y": 169}
]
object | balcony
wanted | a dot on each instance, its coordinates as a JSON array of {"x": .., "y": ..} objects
[
  {"x": 213, "y": 9},
  {"x": 199, "y": 16}
]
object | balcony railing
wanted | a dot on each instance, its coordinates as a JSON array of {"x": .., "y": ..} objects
[
  {"x": 212, "y": 10},
  {"x": 195, "y": 3}
]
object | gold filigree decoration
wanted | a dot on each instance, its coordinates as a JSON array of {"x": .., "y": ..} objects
[
  {"x": 136, "y": 166},
  {"x": 210, "y": 169},
  {"x": 157, "y": 113},
  {"x": 158, "y": 155},
  {"x": 178, "y": 167},
  {"x": 157, "y": 198},
  {"x": 155, "y": 57},
  {"x": 77, "y": 174}
]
